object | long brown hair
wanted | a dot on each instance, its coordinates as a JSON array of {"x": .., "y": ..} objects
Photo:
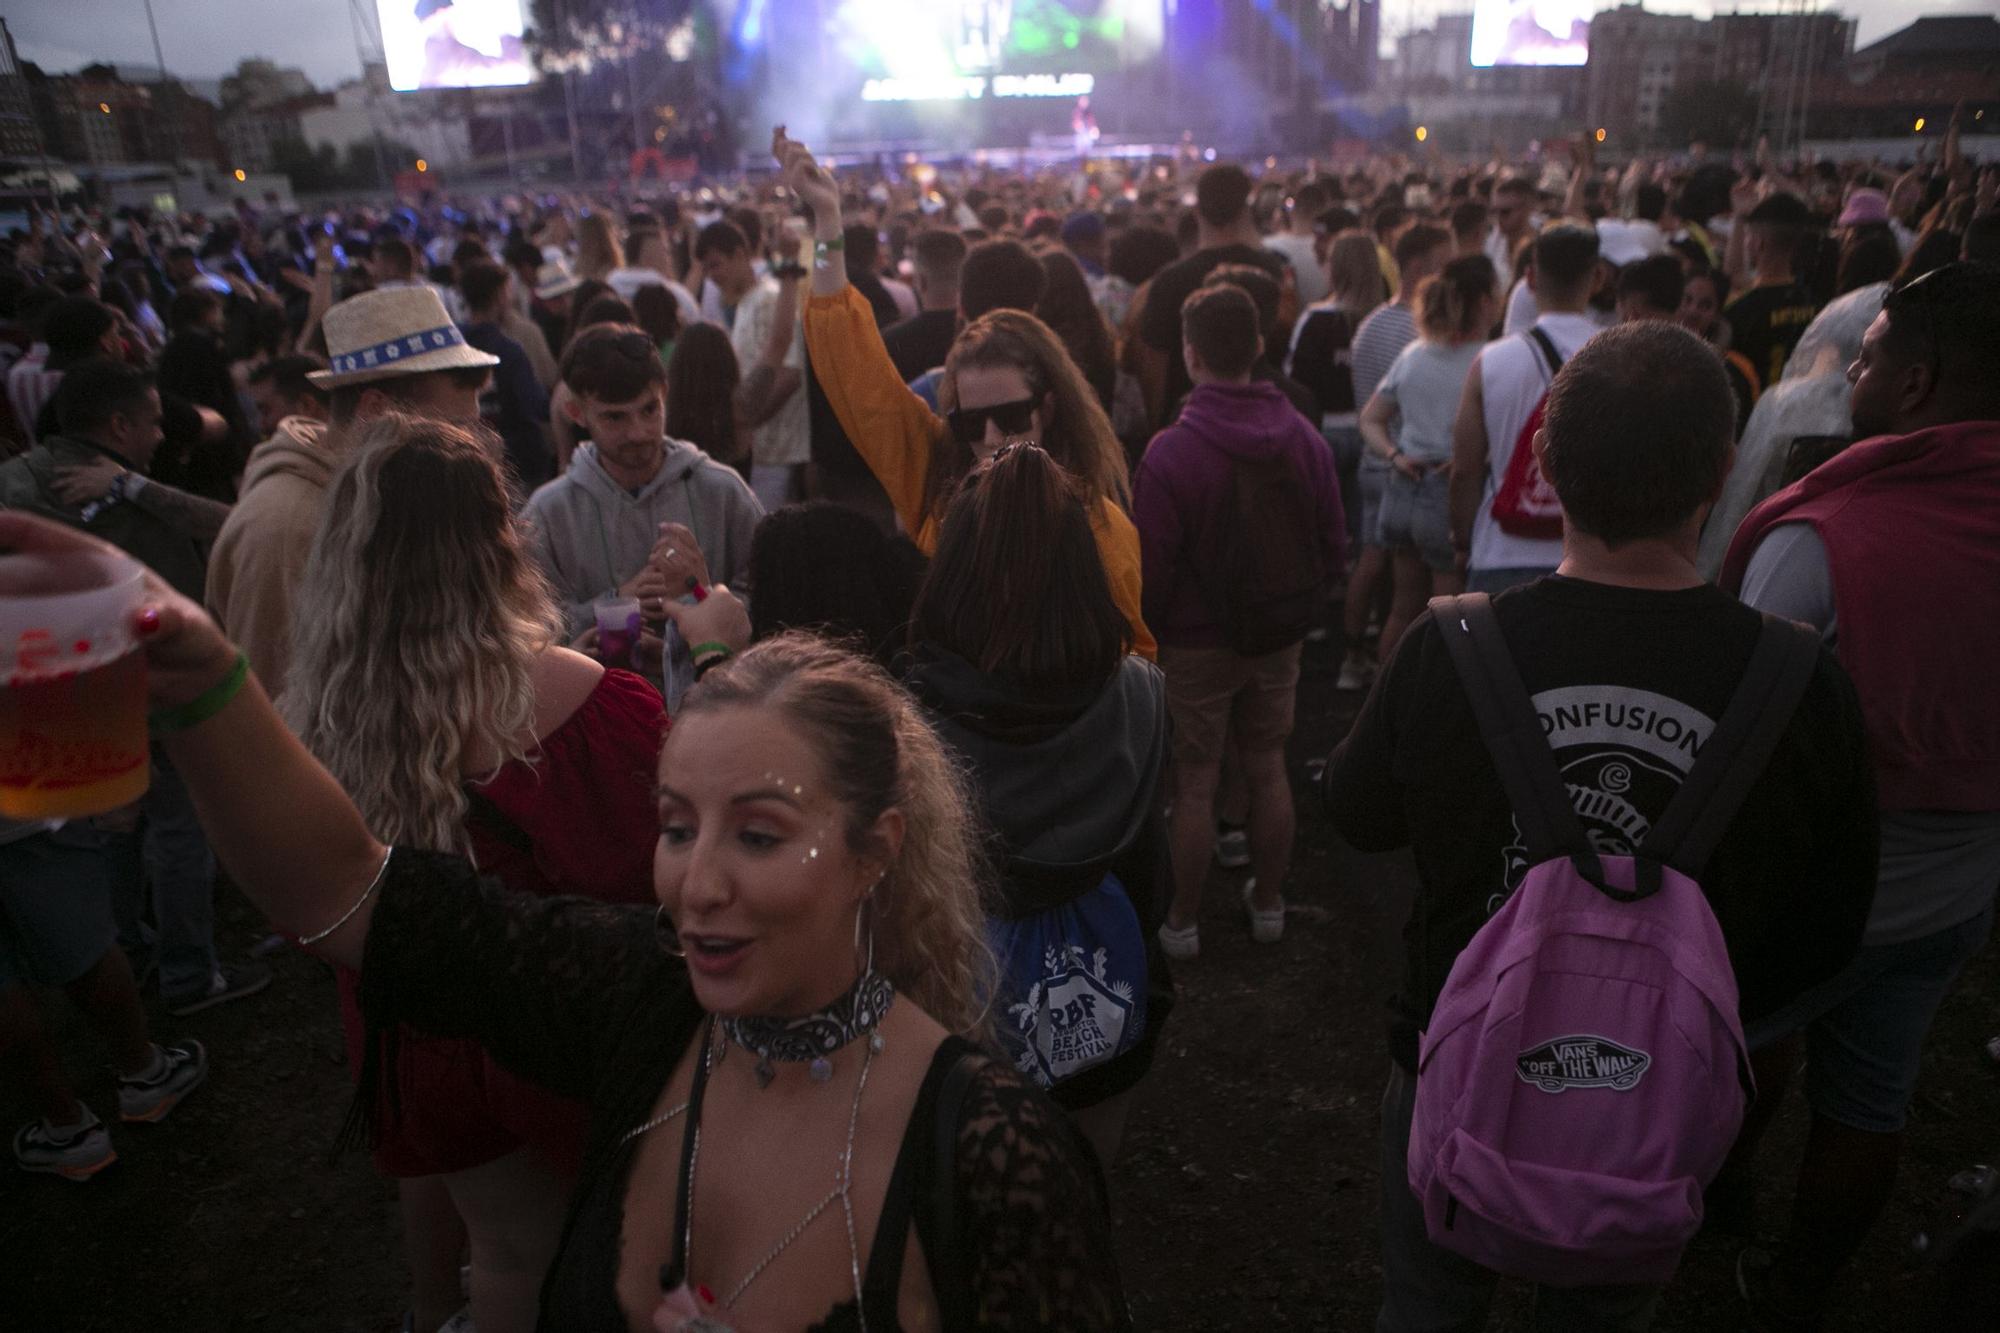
[
  {"x": 1017, "y": 587},
  {"x": 1079, "y": 435},
  {"x": 879, "y": 753},
  {"x": 1071, "y": 313}
]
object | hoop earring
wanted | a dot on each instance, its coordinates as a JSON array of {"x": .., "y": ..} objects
[
  {"x": 665, "y": 935},
  {"x": 865, "y": 961}
]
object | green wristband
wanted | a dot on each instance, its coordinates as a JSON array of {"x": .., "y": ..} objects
[
  {"x": 700, "y": 650},
  {"x": 167, "y": 721}
]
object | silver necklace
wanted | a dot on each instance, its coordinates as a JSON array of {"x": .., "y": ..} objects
[{"x": 842, "y": 1190}]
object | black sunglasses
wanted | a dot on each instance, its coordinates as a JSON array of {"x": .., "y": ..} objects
[{"x": 968, "y": 424}]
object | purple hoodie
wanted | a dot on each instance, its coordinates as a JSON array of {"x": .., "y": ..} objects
[{"x": 1181, "y": 495}]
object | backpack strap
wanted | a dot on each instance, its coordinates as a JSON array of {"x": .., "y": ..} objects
[
  {"x": 1550, "y": 356},
  {"x": 1513, "y": 735},
  {"x": 1737, "y": 751}
]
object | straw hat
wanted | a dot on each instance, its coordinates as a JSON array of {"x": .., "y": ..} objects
[
  {"x": 396, "y": 331},
  {"x": 554, "y": 279}
]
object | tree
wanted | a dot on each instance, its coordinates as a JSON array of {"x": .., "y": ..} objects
[
  {"x": 1717, "y": 113},
  {"x": 310, "y": 170}
]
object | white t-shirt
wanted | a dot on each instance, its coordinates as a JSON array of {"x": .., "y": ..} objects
[
  {"x": 1513, "y": 377},
  {"x": 1425, "y": 383},
  {"x": 784, "y": 440},
  {"x": 1306, "y": 272},
  {"x": 627, "y": 282}
]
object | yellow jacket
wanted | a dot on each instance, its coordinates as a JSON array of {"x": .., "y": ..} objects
[{"x": 894, "y": 432}]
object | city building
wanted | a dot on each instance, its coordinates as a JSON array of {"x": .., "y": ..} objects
[
  {"x": 262, "y": 109},
  {"x": 1640, "y": 61},
  {"x": 1916, "y": 73},
  {"x": 432, "y": 124}
]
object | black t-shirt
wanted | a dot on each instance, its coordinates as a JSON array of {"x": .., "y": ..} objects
[
  {"x": 1765, "y": 324},
  {"x": 921, "y": 343},
  {"x": 1160, "y": 326},
  {"x": 1629, "y": 684},
  {"x": 1321, "y": 359}
]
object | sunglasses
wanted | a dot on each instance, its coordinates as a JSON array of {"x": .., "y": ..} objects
[{"x": 968, "y": 424}]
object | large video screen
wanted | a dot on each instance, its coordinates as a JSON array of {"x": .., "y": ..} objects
[
  {"x": 1531, "y": 32},
  {"x": 966, "y": 50},
  {"x": 453, "y": 44}
]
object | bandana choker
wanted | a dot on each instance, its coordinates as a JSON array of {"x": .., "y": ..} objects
[{"x": 813, "y": 1039}]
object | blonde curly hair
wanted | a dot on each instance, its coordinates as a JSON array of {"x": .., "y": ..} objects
[
  {"x": 879, "y": 753},
  {"x": 416, "y": 629}
]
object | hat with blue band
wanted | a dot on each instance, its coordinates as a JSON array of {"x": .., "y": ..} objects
[{"x": 391, "y": 332}]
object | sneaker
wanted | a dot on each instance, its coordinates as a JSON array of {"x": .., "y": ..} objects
[
  {"x": 459, "y": 1323},
  {"x": 149, "y": 1098},
  {"x": 1266, "y": 927},
  {"x": 76, "y": 1153},
  {"x": 1356, "y": 673},
  {"x": 1232, "y": 847},
  {"x": 231, "y": 981},
  {"x": 1182, "y": 945}
]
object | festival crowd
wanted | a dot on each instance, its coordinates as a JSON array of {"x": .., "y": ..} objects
[{"x": 746, "y": 689}]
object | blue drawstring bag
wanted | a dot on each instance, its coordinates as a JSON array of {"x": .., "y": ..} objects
[{"x": 1072, "y": 983}]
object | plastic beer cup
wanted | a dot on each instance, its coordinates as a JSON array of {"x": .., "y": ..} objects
[
  {"x": 72, "y": 686},
  {"x": 617, "y": 631}
]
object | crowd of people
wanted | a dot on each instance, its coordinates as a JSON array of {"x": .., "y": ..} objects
[{"x": 789, "y": 953}]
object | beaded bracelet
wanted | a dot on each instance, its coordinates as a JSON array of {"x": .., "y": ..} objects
[{"x": 168, "y": 721}]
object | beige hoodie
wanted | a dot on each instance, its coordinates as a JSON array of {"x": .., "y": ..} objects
[{"x": 260, "y": 554}]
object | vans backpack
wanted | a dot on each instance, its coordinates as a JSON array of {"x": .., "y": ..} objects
[
  {"x": 1526, "y": 504},
  {"x": 1269, "y": 583},
  {"x": 1583, "y": 1074}
]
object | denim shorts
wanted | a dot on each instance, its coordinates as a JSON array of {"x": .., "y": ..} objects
[
  {"x": 1865, "y": 1027},
  {"x": 55, "y": 902},
  {"x": 1374, "y": 475},
  {"x": 1418, "y": 514}
]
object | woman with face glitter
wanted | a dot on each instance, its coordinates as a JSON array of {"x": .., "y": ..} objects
[{"x": 788, "y": 1127}]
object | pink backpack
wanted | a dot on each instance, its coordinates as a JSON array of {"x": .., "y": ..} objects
[
  {"x": 1526, "y": 504},
  {"x": 1584, "y": 1074}
]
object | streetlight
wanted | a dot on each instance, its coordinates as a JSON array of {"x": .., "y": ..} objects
[
  {"x": 1600, "y": 134},
  {"x": 423, "y": 165},
  {"x": 240, "y": 176},
  {"x": 1423, "y": 133},
  {"x": 1919, "y": 129},
  {"x": 105, "y": 107}
]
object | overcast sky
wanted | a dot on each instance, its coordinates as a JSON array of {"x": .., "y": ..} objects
[{"x": 205, "y": 38}]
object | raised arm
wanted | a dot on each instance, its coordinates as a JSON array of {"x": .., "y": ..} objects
[
  {"x": 889, "y": 426},
  {"x": 286, "y": 831}
]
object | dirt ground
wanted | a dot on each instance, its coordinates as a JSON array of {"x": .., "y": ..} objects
[{"x": 1246, "y": 1195}]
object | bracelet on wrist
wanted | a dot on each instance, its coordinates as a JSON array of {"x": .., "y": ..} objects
[
  {"x": 168, "y": 721},
  {"x": 708, "y": 654}
]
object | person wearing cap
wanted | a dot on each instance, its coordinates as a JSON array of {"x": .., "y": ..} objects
[
  {"x": 1770, "y": 313},
  {"x": 554, "y": 286},
  {"x": 394, "y": 350}
]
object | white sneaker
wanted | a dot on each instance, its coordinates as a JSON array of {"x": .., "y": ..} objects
[
  {"x": 1181, "y": 945},
  {"x": 1356, "y": 673},
  {"x": 1266, "y": 927}
]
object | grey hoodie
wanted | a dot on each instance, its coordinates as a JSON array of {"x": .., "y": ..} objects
[{"x": 591, "y": 534}]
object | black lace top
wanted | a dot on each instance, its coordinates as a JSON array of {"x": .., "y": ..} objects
[{"x": 576, "y": 995}]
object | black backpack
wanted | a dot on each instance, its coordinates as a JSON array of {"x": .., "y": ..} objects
[{"x": 1269, "y": 581}]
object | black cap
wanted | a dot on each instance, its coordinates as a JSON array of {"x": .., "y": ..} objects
[{"x": 1781, "y": 209}]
